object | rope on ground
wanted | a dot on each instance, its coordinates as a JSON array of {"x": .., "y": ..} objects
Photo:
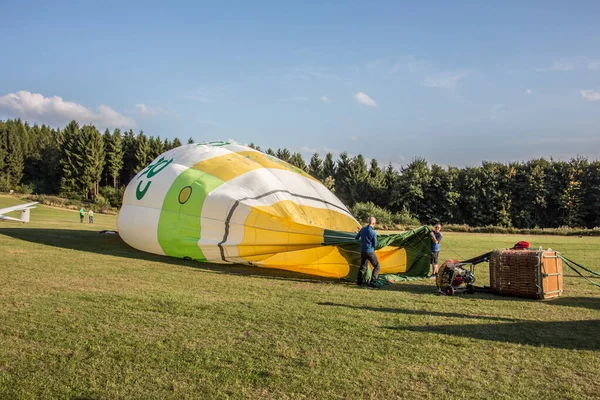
[{"x": 571, "y": 264}]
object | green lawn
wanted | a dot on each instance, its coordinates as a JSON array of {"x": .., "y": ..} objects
[{"x": 83, "y": 315}]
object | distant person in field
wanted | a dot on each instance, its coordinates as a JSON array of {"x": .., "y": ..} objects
[
  {"x": 368, "y": 243},
  {"x": 81, "y": 214},
  {"x": 91, "y": 216},
  {"x": 436, "y": 238}
]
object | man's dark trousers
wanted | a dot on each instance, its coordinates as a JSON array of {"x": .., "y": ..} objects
[{"x": 365, "y": 258}]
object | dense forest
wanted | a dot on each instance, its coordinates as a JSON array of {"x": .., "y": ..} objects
[{"x": 81, "y": 163}]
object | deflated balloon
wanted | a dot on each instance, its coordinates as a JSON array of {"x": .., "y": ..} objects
[{"x": 222, "y": 202}]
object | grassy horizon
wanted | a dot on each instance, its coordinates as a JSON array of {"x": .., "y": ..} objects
[{"x": 86, "y": 316}]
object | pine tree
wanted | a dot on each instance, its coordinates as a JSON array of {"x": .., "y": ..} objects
[
  {"x": 48, "y": 168},
  {"x": 190, "y": 140},
  {"x": 13, "y": 160},
  {"x": 71, "y": 172},
  {"x": 3, "y": 151},
  {"x": 341, "y": 178},
  {"x": 329, "y": 167},
  {"x": 297, "y": 161},
  {"x": 114, "y": 156},
  {"x": 271, "y": 152},
  {"x": 315, "y": 167},
  {"x": 129, "y": 160},
  {"x": 90, "y": 159},
  {"x": 142, "y": 152},
  {"x": 13, "y": 157},
  {"x": 158, "y": 148},
  {"x": 106, "y": 139},
  {"x": 376, "y": 191},
  {"x": 357, "y": 180},
  {"x": 284, "y": 155},
  {"x": 176, "y": 143}
]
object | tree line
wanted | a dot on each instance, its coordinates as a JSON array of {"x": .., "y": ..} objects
[{"x": 79, "y": 162}]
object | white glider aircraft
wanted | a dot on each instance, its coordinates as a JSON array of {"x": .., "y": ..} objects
[{"x": 24, "y": 208}]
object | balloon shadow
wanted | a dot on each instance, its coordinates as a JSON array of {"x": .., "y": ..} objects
[{"x": 113, "y": 245}]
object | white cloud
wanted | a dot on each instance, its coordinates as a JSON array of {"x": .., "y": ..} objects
[
  {"x": 56, "y": 111},
  {"x": 325, "y": 99},
  {"x": 147, "y": 110},
  {"x": 354, "y": 138},
  {"x": 594, "y": 64},
  {"x": 308, "y": 150},
  {"x": 590, "y": 95},
  {"x": 144, "y": 109},
  {"x": 446, "y": 80},
  {"x": 528, "y": 91},
  {"x": 363, "y": 98}
]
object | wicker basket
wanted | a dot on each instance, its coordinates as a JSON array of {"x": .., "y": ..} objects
[{"x": 526, "y": 273}]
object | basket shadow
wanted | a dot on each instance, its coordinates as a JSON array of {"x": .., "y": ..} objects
[
  {"x": 419, "y": 312},
  {"x": 572, "y": 335},
  {"x": 581, "y": 302}
]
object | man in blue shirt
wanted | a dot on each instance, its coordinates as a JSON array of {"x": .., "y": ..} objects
[
  {"x": 436, "y": 238},
  {"x": 368, "y": 243}
]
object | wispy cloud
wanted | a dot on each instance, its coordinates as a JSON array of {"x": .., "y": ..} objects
[
  {"x": 301, "y": 99},
  {"x": 146, "y": 110},
  {"x": 308, "y": 150},
  {"x": 565, "y": 64},
  {"x": 590, "y": 95},
  {"x": 594, "y": 64},
  {"x": 325, "y": 99},
  {"x": 446, "y": 80},
  {"x": 307, "y": 72},
  {"x": 207, "y": 94},
  {"x": 354, "y": 138},
  {"x": 528, "y": 91},
  {"x": 410, "y": 64},
  {"x": 364, "y": 99},
  {"x": 152, "y": 111},
  {"x": 56, "y": 111}
]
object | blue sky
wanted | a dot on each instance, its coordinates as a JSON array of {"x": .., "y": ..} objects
[{"x": 454, "y": 82}]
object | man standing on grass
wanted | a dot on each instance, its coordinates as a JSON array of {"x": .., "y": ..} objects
[
  {"x": 368, "y": 243},
  {"x": 436, "y": 238},
  {"x": 81, "y": 214},
  {"x": 91, "y": 216}
]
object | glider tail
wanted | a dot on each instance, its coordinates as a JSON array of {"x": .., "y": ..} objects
[{"x": 25, "y": 215}]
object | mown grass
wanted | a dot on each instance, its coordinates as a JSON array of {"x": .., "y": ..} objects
[{"x": 85, "y": 316}]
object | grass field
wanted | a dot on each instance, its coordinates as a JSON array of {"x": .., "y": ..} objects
[{"x": 82, "y": 315}]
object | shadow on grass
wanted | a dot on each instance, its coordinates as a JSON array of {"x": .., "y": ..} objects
[
  {"x": 580, "y": 302},
  {"x": 113, "y": 245},
  {"x": 418, "y": 312},
  {"x": 573, "y": 335}
]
